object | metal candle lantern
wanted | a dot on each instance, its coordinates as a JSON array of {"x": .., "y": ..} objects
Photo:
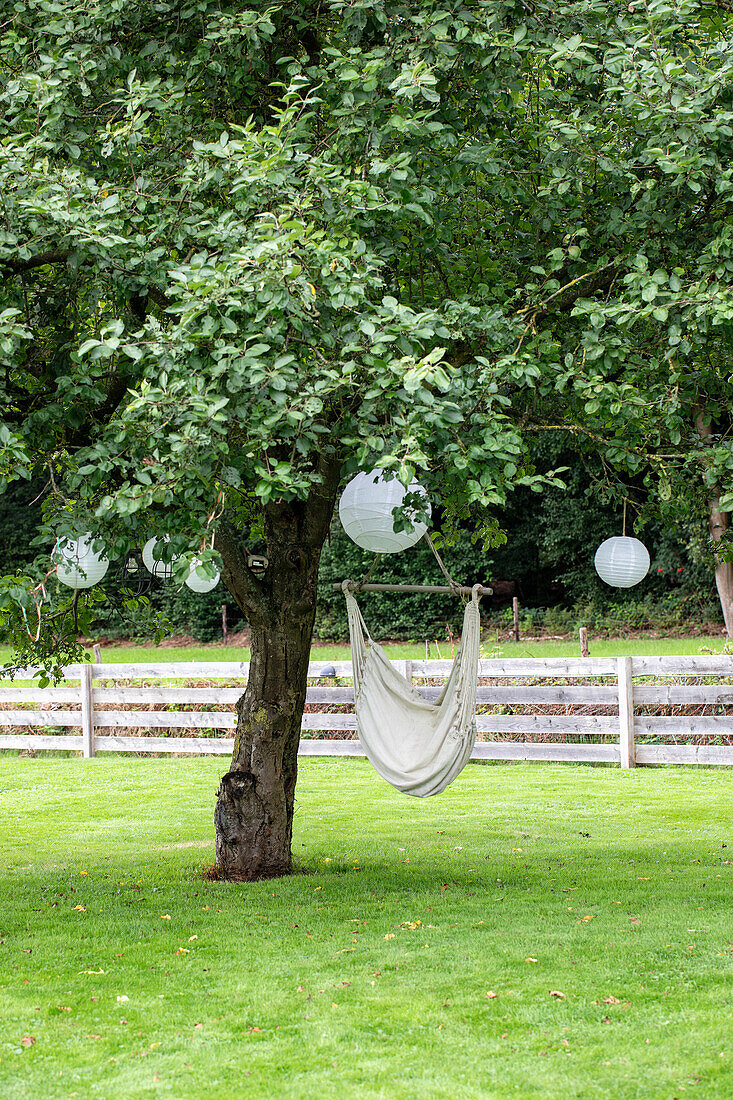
[
  {"x": 162, "y": 569},
  {"x": 366, "y": 513}
]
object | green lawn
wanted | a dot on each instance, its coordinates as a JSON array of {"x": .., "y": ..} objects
[
  {"x": 602, "y": 647},
  {"x": 537, "y": 931}
]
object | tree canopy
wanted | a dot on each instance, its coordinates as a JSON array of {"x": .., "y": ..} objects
[
  {"x": 248, "y": 249},
  {"x": 240, "y": 239}
]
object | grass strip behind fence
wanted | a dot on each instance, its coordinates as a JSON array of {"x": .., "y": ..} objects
[
  {"x": 536, "y": 931},
  {"x": 639, "y": 645}
]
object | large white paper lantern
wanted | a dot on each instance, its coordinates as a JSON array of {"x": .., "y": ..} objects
[
  {"x": 162, "y": 569},
  {"x": 622, "y": 561},
  {"x": 79, "y": 566},
  {"x": 366, "y": 508},
  {"x": 197, "y": 581}
]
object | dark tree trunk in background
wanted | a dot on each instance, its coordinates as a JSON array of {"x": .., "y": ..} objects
[
  {"x": 254, "y": 809},
  {"x": 723, "y": 569},
  {"x": 718, "y": 526}
]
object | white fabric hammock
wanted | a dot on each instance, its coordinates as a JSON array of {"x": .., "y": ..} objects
[{"x": 416, "y": 745}]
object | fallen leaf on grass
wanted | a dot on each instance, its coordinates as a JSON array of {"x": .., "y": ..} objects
[
  {"x": 589, "y": 917},
  {"x": 611, "y": 1001},
  {"x": 254, "y": 1029},
  {"x": 198, "y": 1026},
  {"x": 190, "y": 938},
  {"x": 122, "y": 998},
  {"x": 557, "y": 993},
  {"x": 530, "y": 959},
  {"x": 389, "y": 936},
  {"x": 90, "y": 971},
  {"x": 491, "y": 994},
  {"x": 28, "y": 1040},
  {"x": 80, "y": 908},
  {"x": 181, "y": 951},
  {"x": 94, "y": 1036},
  {"x": 166, "y": 916}
]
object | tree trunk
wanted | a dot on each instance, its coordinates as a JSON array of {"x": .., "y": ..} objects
[
  {"x": 254, "y": 809},
  {"x": 718, "y": 523},
  {"x": 718, "y": 527}
]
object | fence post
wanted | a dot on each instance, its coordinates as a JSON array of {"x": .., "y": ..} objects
[
  {"x": 584, "y": 651},
  {"x": 627, "y": 745},
  {"x": 87, "y": 710}
]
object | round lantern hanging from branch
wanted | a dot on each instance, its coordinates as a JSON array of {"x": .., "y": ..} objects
[
  {"x": 622, "y": 561},
  {"x": 366, "y": 511},
  {"x": 78, "y": 564},
  {"x": 198, "y": 581}
]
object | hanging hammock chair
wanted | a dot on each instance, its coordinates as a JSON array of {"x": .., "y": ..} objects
[{"x": 417, "y": 745}]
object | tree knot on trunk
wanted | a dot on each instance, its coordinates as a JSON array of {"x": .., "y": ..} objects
[{"x": 233, "y": 785}]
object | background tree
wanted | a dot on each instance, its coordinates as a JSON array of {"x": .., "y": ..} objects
[{"x": 248, "y": 250}]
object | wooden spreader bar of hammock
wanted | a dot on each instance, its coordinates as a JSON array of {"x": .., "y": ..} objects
[{"x": 459, "y": 589}]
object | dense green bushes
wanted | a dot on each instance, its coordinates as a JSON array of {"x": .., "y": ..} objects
[
  {"x": 549, "y": 554},
  {"x": 551, "y": 538}
]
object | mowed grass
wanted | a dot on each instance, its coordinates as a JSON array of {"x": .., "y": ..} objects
[
  {"x": 536, "y": 931},
  {"x": 492, "y": 646}
]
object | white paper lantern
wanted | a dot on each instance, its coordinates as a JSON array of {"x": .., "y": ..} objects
[
  {"x": 196, "y": 580},
  {"x": 622, "y": 561},
  {"x": 162, "y": 569},
  {"x": 365, "y": 511},
  {"x": 78, "y": 564}
]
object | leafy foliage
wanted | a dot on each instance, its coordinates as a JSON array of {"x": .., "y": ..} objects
[{"x": 242, "y": 244}]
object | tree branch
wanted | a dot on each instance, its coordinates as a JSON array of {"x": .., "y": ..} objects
[
  {"x": 321, "y": 501},
  {"x": 246, "y": 588},
  {"x": 60, "y": 256},
  {"x": 568, "y": 295},
  {"x": 52, "y": 256}
]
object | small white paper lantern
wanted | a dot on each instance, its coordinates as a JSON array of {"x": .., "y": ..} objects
[
  {"x": 78, "y": 564},
  {"x": 162, "y": 569},
  {"x": 622, "y": 561},
  {"x": 197, "y": 582},
  {"x": 365, "y": 511}
]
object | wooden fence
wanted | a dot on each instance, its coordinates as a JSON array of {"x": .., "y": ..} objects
[{"x": 626, "y": 710}]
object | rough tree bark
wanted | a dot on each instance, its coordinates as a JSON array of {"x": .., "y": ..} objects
[
  {"x": 254, "y": 809},
  {"x": 718, "y": 523}
]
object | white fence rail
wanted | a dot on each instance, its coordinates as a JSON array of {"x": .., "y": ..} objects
[{"x": 620, "y": 690}]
